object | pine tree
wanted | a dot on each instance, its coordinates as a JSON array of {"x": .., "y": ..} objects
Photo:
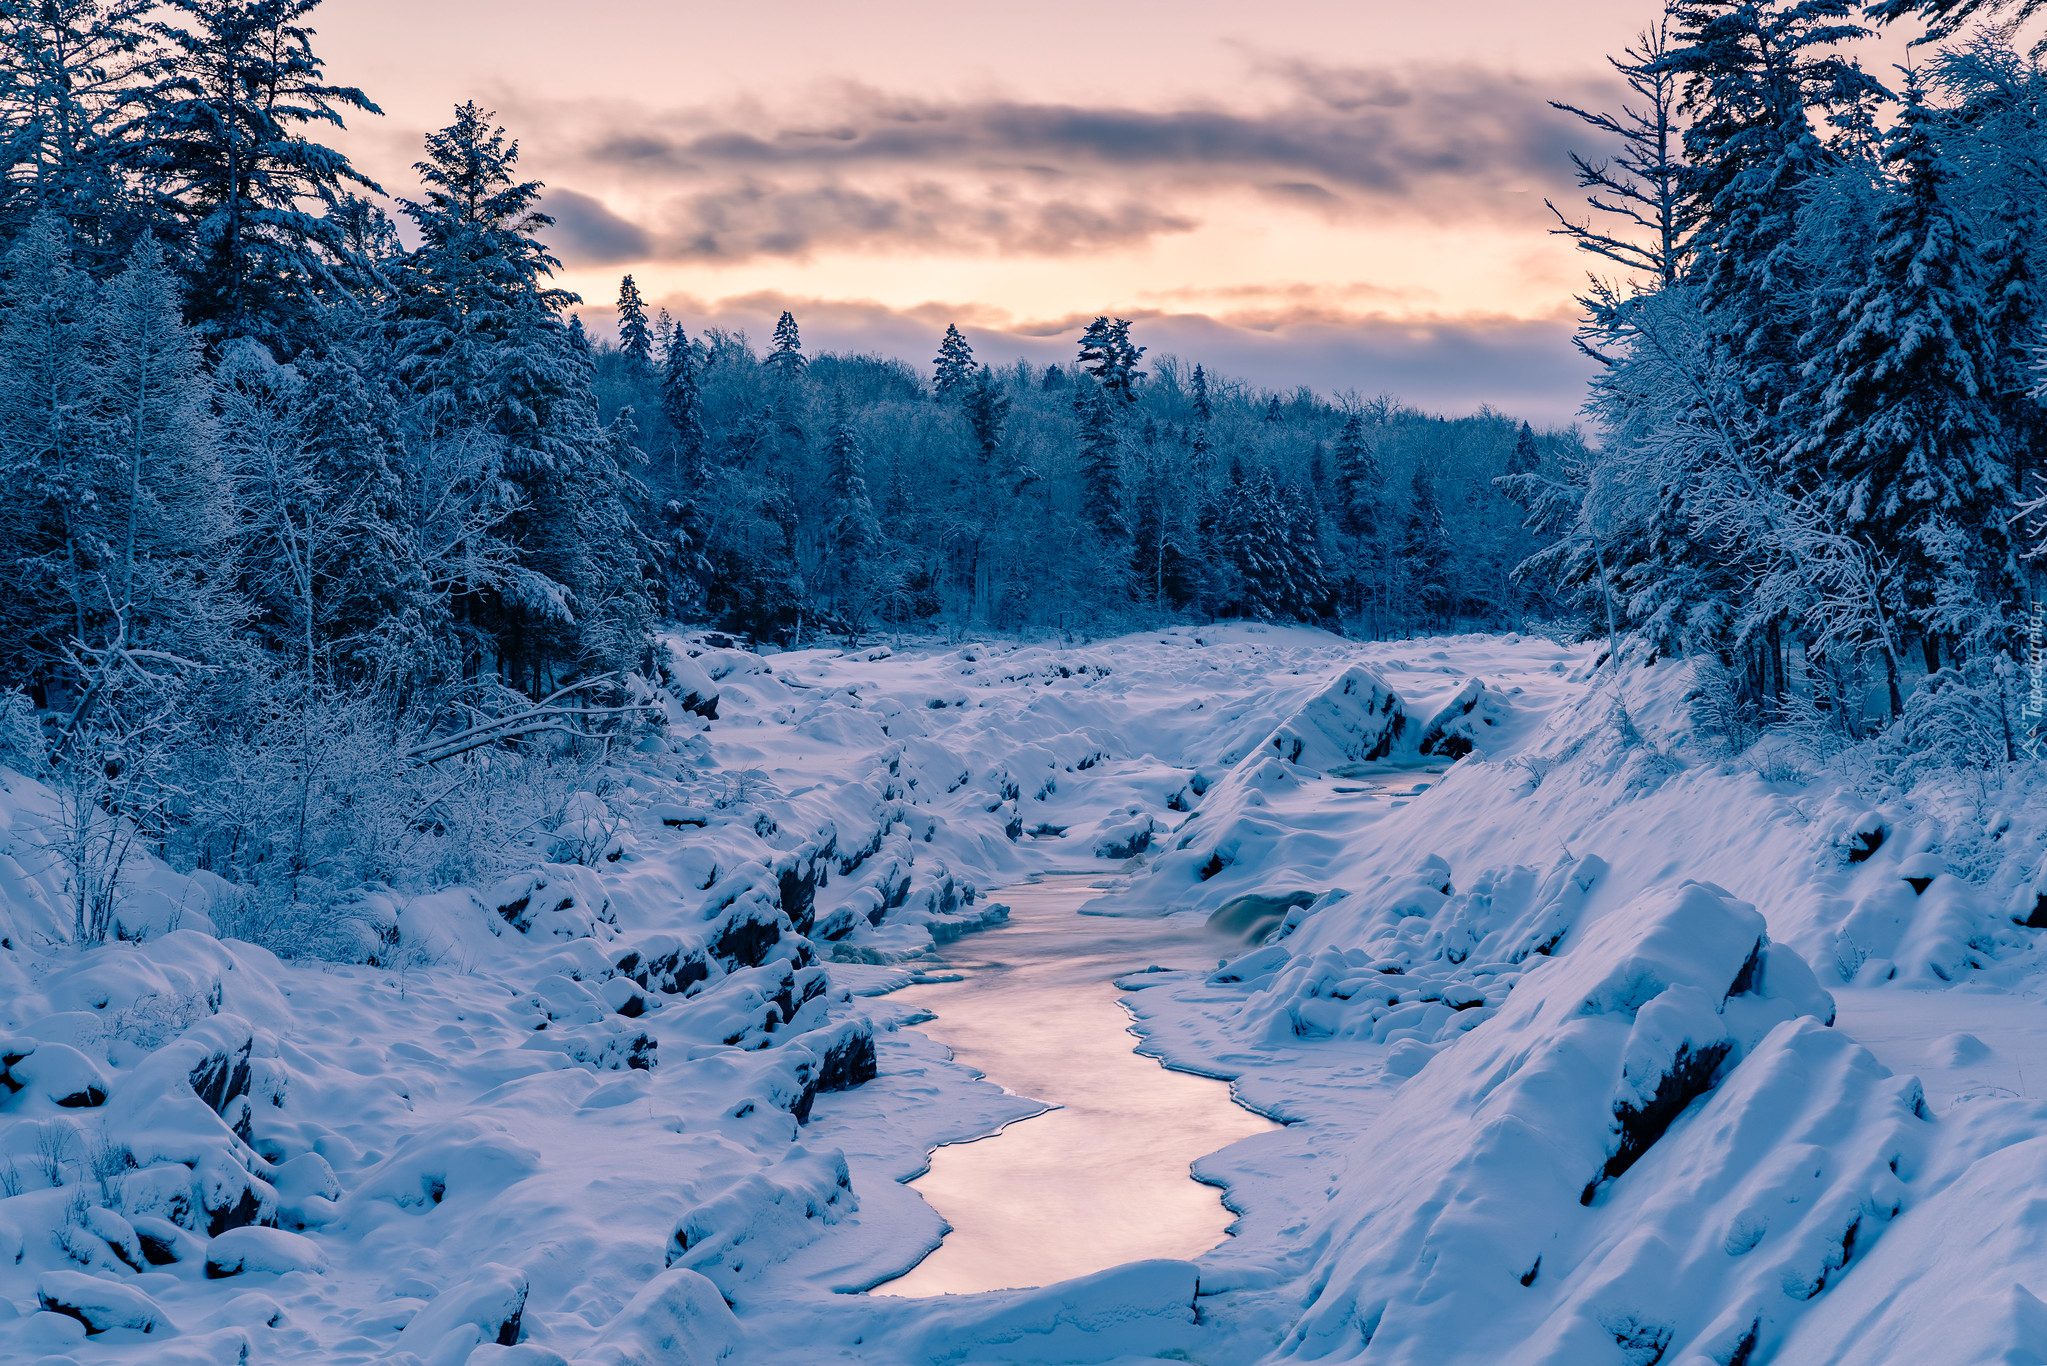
[
  {"x": 478, "y": 335},
  {"x": 1203, "y": 412},
  {"x": 852, "y": 534},
  {"x": 1425, "y": 551},
  {"x": 1273, "y": 415},
  {"x": 635, "y": 337},
  {"x": 986, "y": 406},
  {"x": 230, "y": 161},
  {"x": 73, "y": 90},
  {"x": 1359, "y": 483},
  {"x": 955, "y": 363},
  {"x": 1905, "y": 427},
  {"x": 1101, "y": 464},
  {"x": 1525, "y": 458},
  {"x": 787, "y": 356},
  {"x": 1106, "y": 352}
]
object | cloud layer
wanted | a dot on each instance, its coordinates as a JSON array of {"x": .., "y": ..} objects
[{"x": 865, "y": 170}]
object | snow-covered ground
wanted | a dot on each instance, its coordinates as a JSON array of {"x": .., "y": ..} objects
[{"x": 1590, "y": 1046}]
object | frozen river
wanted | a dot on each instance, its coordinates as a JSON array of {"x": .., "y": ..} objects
[{"x": 1103, "y": 1178}]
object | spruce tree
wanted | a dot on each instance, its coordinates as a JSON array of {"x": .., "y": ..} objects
[
  {"x": 635, "y": 337},
  {"x": 230, "y": 162},
  {"x": 1905, "y": 427},
  {"x": 955, "y": 363},
  {"x": 787, "y": 356},
  {"x": 852, "y": 535},
  {"x": 1107, "y": 353},
  {"x": 986, "y": 405},
  {"x": 1101, "y": 464},
  {"x": 1425, "y": 551},
  {"x": 74, "y": 91},
  {"x": 1525, "y": 457},
  {"x": 1273, "y": 414},
  {"x": 1203, "y": 412}
]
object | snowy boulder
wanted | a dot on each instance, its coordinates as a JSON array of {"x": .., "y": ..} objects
[
  {"x": 1463, "y": 722},
  {"x": 491, "y": 1303},
  {"x": 554, "y": 901},
  {"x": 99, "y": 1304},
  {"x": 244, "y": 1251},
  {"x": 689, "y": 687},
  {"x": 55, "y": 1072},
  {"x": 1124, "y": 834},
  {"x": 119, "y": 1235},
  {"x": 1357, "y": 719},
  {"x": 730, "y": 1235},
  {"x": 677, "y": 1319}
]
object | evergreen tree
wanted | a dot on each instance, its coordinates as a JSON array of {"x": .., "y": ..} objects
[
  {"x": 852, "y": 535},
  {"x": 1905, "y": 427},
  {"x": 1526, "y": 458},
  {"x": 1101, "y": 463},
  {"x": 1273, "y": 415},
  {"x": 635, "y": 337},
  {"x": 479, "y": 336},
  {"x": 73, "y": 92},
  {"x": 787, "y": 356},
  {"x": 1203, "y": 410},
  {"x": 230, "y": 162},
  {"x": 955, "y": 363},
  {"x": 986, "y": 406},
  {"x": 1106, "y": 352},
  {"x": 1425, "y": 551}
]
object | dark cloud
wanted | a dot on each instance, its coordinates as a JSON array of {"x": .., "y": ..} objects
[
  {"x": 1449, "y": 365},
  {"x": 587, "y": 233},
  {"x": 864, "y": 168}
]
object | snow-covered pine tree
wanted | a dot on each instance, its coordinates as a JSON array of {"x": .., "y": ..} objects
[
  {"x": 1425, "y": 553},
  {"x": 1753, "y": 69},
  {"x": 1107, "y": 353},
  {"x": 1204, "y": 411},
  {"x": 954, "y": 363},
  {"x": 73, "y": 88},
  {"x": 986, "y": 404},
  {"x": 786, "y": 358},
  {"x": 635, "y": 337},
  {"x": 480, "y": 339},
  {"x": 852, "y": 535},
  {"x": 1526, "y": 457},
  {"x": 1101, "y": 464},
  {"x": 230, "y": 162},
  {"x": 1274, "y": 415},
  {"x": 1359, "y": 496},
  {"x": 1904, "y": 423}
]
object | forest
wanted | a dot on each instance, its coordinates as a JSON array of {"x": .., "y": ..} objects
[{"x": 305, "y": 500}]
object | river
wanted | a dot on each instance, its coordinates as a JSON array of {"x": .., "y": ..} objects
[{"x": 1103, "y": 1178}]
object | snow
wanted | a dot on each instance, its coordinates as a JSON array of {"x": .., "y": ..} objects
[{"x": 1588, "y": 1044}]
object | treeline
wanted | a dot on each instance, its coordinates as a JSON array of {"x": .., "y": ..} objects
[
  {"x": 841, "y": 493},
  {"x": 1819, "y": 430}
]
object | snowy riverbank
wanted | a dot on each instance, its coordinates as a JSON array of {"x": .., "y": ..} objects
[{"x": 1594, "y": 1047}]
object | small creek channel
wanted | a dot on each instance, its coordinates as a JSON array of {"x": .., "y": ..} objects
[{"x": 1103, "y": 1178}]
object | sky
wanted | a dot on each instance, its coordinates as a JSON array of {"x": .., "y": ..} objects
[{"x": 1342, "y": 195}]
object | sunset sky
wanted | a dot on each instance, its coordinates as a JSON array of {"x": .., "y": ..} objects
[{"x": 1347, "y": 195}]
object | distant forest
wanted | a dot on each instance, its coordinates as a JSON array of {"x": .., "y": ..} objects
[{"x": 833, "y": 494}]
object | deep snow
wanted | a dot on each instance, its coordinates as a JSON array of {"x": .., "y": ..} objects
[{"x": 1591, "y": 1047}]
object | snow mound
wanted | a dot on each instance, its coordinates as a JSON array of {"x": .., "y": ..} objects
[{"x": 1357, "y": 719}]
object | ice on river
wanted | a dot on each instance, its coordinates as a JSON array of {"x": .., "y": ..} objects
[{"x": 1103, "y": 1178}]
